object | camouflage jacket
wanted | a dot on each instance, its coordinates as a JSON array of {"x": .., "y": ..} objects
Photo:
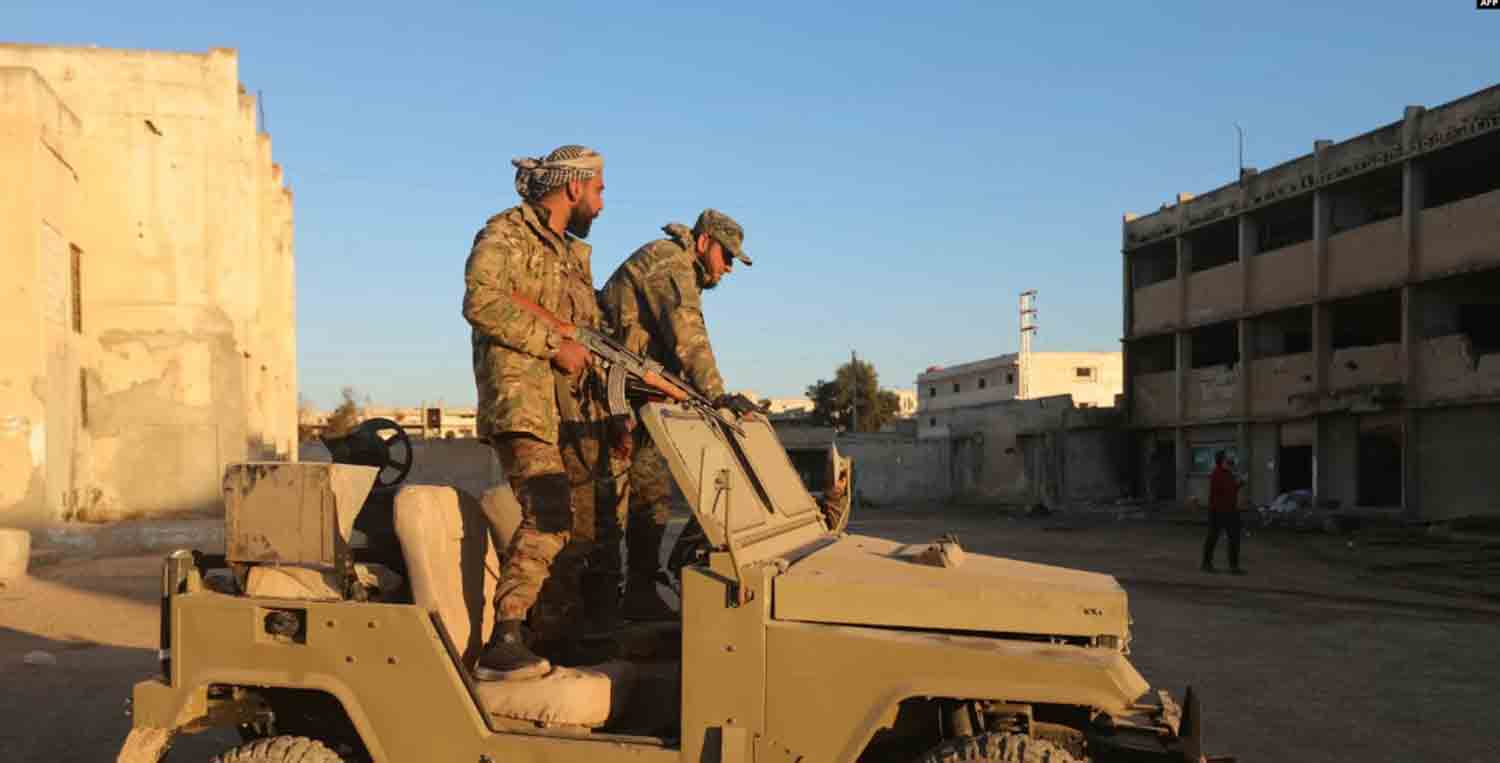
[
  {"x": 516, "y": 252},
  {"x": 654, "y": 302}
]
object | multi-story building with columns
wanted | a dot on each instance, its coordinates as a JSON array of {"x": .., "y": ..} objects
[{"x": 1334, "y": 321}]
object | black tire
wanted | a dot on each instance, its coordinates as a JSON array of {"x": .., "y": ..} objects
[
  {"x": 999, "y": 748},
  {"x": 285, "y": 749}
]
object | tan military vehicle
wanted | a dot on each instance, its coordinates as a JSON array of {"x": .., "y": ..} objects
[{"x": 341, "y": 622}]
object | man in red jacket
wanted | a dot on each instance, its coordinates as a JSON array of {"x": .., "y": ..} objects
[{"x": 1223, "y": 513}]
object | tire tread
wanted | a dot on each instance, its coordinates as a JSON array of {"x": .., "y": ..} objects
[
  {"x": 281, "y": 749},
  {"x": 999, "y": 748}
]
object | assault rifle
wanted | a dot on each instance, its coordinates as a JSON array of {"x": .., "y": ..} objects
[{"x": 623, "y": 366}]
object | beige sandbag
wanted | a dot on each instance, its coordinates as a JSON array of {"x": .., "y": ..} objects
[
  {"x": 564, "y": 697},
  {"x": 271, "y": 582},
  {"x": 450, "y": 561}
]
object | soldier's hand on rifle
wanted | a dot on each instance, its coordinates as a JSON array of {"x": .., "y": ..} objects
[
  {"x": 741, "y": 406},
  {"x": 571, "y": 357},
  {"x": 621, "y": 439}
]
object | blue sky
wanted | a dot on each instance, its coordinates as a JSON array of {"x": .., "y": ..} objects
[{"x": 902, "y": 170}]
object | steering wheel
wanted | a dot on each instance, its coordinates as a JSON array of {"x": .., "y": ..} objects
[{"x": 395, "y": 452}]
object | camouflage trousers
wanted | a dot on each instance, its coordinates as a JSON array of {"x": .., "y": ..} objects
[
  {"x": 564, "y": 490},
  {"x": 646, "y": 486}
]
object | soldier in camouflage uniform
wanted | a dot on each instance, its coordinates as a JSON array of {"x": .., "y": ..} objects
[
  {"x": 538, "y": 401},
  {"x": 654, "y": 302}
]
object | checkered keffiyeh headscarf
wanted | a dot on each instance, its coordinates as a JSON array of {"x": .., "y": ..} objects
[{"x": 535, "y": 177}]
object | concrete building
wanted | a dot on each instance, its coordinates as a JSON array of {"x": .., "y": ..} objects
[
  {"x": 420, "y": 422},
  {"x": 148, "y": 305},
  {"x": 791, "y": 405},
  {"x": 1013, "y": 452},
  {"x": 1093, "y": 379},
  {"x": 1334, "y": 320},
  {"x": 908, "y": 400}
]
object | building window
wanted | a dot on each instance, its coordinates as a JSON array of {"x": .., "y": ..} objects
[
  {"x": 932, "y": 391},
  {"x": 1010, "y": 377},
  {"x": 955, "y": 388},
  {"x": 981, "y": 382},
  {"x": 1083, "y": 373}
]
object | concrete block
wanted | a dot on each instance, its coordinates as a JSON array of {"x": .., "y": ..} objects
[{"x": 15, "y": 552}]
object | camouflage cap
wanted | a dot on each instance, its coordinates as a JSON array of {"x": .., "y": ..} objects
[{"x": 724, "y": 230}]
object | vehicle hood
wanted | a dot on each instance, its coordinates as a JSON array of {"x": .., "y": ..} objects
[{"x": 860, "y": 580}]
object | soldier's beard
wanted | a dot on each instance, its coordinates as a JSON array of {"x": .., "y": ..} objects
[{"x": 580, "y": 220}]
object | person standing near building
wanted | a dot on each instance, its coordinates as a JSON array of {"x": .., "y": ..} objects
[
  {"x": 1223, "y": 513},
  {"x": 538, "y": 406},
  {"x": 654, "y": 303}
]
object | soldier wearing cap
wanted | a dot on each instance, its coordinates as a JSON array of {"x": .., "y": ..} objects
[
  {"x": 539, "y": 406},
  {"x": 654, "y": 302}
]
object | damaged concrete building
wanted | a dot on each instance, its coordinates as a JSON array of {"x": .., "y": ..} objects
[
  {"x": 147, "y": 308},
  {"x": 1334, "y": 321},
  {"x": 1092, "y": 379}
]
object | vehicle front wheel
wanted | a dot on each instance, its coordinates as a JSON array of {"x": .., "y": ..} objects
[
  {"x": 283, "y": 749},
  {"x": 999, "y": 747}
]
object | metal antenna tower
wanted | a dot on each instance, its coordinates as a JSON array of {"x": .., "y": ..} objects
[{"x": 1028, "y": 328}]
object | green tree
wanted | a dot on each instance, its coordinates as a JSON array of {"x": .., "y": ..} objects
[
  {"x": 344, "y": 418},
  {"x": 855, "y": 385}
]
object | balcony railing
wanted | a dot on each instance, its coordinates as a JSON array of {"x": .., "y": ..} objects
[
  {"x": 1282, "y": 277},
  {"x": 1155, "y": 306},
  {"x": 1276, "y": 383},
  {"x": 1462, "y": 234},
  {"x": 1211, "y": 392},
  {"x": 1214, "y": 293},
  {"x": 1360, "y": 366},
  {"x": 1367, "y": 257},
  {"x": 1449, "y": 370}
]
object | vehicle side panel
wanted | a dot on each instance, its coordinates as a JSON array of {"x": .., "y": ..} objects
[
  {"x": 723, "y": 660},
  {"x": 830, "y": 687},
  {"x": 384, "y": 662}
]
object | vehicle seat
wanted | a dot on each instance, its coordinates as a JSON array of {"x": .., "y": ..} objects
[
  {"x": 274, "y": 581},
  {"x": 453, "y": 567}
]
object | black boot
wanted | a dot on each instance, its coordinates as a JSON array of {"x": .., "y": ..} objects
[
  {"x": 644, "y": 603},
  {"x": 506, "y": 657},
  {"x": 643, "y": 541},
  {"x": 601, "y": 603}
]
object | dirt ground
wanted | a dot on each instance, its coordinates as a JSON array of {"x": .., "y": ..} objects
[{"x": 1334, "y": 648}]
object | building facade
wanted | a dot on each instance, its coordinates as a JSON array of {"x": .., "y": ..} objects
[
  {"x": 148, "y": 301},
  {"x": 1093, "y": 379},
  {"x": 1333, "y": 321},
  {"x": 907, "y": 403},
  {"x": 420, "y": 422}
]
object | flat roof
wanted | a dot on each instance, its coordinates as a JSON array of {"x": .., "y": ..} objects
[{"x": 1455, "y": 121}]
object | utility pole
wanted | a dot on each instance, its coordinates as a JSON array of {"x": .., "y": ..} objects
[
  {"x": 1240, "y": 153},
  {"x": 1028, "y": 328}
]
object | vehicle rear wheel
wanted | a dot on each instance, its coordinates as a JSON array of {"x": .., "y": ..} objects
[
  {"x": 999, "y": 748},
  {"x": 283, "y": 749}
]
